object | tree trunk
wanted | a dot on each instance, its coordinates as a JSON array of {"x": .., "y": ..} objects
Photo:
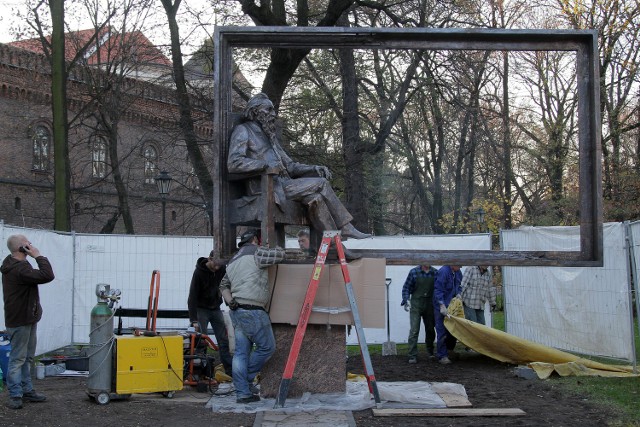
[
  {"x": 61, "y": 171},
  {"x": 184, "y": 105},
  {"x": 111, "y": 126},
  {"x": 355, "y": 185},
  {"x": 457, "y": 178},
  {"x": 506, "y": 142},
  {"x": 437, "y": 146}
]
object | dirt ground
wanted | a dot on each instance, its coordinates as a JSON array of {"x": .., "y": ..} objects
[{"x": 489, "y": 384}]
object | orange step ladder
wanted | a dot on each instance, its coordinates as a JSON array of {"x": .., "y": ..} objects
[{"x": 305, "y": 313}]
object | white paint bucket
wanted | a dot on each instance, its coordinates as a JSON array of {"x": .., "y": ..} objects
[{"x": 40, "y": 371}]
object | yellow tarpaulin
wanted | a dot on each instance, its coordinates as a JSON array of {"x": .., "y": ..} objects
[{"x": 511, "y": 349}]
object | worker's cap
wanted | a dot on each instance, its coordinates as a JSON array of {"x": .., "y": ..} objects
[{"x": 247, "y": 236}]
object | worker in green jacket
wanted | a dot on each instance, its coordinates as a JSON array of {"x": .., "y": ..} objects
[{"x": 417, "y": 299}]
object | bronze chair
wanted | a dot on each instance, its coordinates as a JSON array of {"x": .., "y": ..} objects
[{"x": 248, "y": 208}]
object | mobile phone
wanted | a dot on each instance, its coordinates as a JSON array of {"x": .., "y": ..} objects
[{"x": 23, "y": 249}]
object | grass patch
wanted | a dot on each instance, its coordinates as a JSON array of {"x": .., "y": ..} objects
[
  {"x": 354, "y": 350},
  {"x": 619, "y": 394},
  {"x": 498, "y": 320}
]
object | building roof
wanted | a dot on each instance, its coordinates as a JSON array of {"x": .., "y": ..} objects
[{"x": 106, "y": 47}]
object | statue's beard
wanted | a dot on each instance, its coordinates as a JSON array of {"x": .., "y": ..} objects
[{"x": 268, "y": 125}]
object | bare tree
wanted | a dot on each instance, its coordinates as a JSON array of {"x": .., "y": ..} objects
[
  {"x": 184, "y": 105},
  {"x": 617, "y": 22},
  {"x": 552, "y": 126}
]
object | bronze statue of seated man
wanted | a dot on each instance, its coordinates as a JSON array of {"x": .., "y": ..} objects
[{"x": 254, "y": 147}]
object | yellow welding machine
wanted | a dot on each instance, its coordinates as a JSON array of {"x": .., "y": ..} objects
[{"x": 148, "y": 364}]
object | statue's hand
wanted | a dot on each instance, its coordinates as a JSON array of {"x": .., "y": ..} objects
[
  {"x": 323, "y": 172},
  {"x": 273, "y": 167}
]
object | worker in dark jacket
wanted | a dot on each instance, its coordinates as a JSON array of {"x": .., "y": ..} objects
[
  {"x": 22, "y": 312},
  {"x": 204, "y": 303}
]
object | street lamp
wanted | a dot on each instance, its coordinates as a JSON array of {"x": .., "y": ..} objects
[
  {"x": 479, "y": 213},
  {"x": 163, "y": 181}
]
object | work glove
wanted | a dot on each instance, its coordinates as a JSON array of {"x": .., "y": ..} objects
[
  {"x": 233, "y": 304},
  {"x": 443, "y": 310},
  {"x": 407, "y": 306}
]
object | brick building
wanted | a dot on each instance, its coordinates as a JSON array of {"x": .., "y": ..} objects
[{"x": 148, "y": 141}]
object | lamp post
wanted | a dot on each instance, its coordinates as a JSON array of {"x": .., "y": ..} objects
[
  {"x": 479, "y": 213},
  {"x": 163, "y": 181}
]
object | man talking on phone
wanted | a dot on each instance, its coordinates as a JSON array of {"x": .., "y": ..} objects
[{"x": 22, "y": 312}]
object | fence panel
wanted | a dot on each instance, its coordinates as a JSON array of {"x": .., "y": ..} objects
[
  {"x": 126, "y": 263},
  {"x": 584, "y": 310}
]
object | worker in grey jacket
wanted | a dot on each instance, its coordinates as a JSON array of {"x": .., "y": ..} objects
[{"x": 245, "y": 289}]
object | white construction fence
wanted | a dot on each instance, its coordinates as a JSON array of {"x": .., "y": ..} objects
[
  {"x": 81, "y": 261},
  {"x": 583, "y": 310}
]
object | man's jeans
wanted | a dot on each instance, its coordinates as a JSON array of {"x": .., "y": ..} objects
[
  {"x": 23, "y": 348},
  {"x": 216, "y": 318},
  {"x": 251, "y": 327},
  {"x": 475, "y": 315}
]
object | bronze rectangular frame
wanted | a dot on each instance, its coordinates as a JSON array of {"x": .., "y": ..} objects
[{"x": 583, "y": 42}]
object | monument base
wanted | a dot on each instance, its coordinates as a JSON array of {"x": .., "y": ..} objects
[{"x": 321, "y": 365}]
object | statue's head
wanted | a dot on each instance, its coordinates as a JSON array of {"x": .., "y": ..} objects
[{"x": 256, "y": 103}]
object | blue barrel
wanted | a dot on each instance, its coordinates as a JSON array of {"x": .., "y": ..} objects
[{"x": 5, "y": 349}]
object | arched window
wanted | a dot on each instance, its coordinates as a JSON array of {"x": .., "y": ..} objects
[
  {"x": 99, "y": 158},
  {"x": 150, "y": 154},
  {"x": 41, "y": 140}
]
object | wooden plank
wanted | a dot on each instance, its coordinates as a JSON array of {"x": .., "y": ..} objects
[
  {"x": 480, "y": 257},
  {"x": 450, "y": 412},
  {"x": 453, "y": 400}
]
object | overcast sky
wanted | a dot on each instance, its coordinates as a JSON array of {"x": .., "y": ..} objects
[
  {"x": 10, "y": 9},
  {"x": 6, "y": 15},
  {"x": 192, "y": 34}
]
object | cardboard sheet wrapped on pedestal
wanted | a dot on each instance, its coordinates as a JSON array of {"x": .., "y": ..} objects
[{"x": 289, "y": 283}]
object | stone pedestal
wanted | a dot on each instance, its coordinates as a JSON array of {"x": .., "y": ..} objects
[{"x": 321, "y": 365}]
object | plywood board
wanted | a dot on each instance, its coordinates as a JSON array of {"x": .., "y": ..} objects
[{"x": 455, "y": 400}]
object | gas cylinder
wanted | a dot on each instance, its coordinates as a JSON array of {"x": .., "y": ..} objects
[{"x": 101, "y": 341}]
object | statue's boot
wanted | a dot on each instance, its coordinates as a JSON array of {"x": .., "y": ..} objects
[
  {"x": 349, "y": 255},
  {"x": 350, "y": 231}
]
